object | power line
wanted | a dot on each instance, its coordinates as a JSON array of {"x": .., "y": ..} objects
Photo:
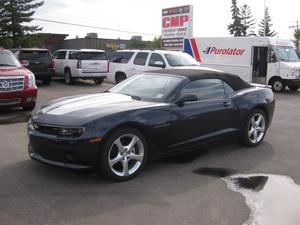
[{"x": 94, "y": 27}]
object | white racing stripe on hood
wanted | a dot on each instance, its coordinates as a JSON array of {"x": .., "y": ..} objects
[{"x": 84, "y": 102}]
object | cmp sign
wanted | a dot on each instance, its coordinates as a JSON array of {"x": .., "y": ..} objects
[{"x": 177, "y": 23}]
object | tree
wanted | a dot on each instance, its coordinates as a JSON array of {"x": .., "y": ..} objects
[
  {"x": 15, "y": 16},
  {"x": 297, "y": 38},
  {"x": 266, "y": 23},
  {"x": 137, "y": 44},
  {"x": 247, "y": 21},
  {"x": 236, "y": 27},
  {"x": 156, "y": 43}
]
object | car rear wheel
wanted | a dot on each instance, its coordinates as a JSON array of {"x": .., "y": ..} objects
[
  {"x": 255, "y": 128},
  {"x": 68, "y": 77},
  {"x": 278, "y": 85},
  {"x": 99, "y": 80},
  {"x": 124, "y": 154},
  {"x": 294, "y": 88},
  {"x": 120, "y": 77}
]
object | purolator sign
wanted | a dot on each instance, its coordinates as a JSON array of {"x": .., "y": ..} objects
[{"x": 177, "y": 23}]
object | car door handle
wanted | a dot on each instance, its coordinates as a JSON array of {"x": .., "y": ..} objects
[{"x": 226, "y": 104}]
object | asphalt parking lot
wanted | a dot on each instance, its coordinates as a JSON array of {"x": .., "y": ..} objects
[{"x": 169, "y": 191}]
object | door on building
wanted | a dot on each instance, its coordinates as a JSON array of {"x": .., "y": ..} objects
[{"x": 259, "y": 64}]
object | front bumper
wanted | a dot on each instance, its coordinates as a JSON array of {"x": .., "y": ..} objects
[
  {"x": 292, "y": 82},
  {"x": 26, "y": 97},
  {"x": 73, "y": 154}
]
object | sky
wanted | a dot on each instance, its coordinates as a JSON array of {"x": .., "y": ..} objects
[{"x": 211, "y": 17}]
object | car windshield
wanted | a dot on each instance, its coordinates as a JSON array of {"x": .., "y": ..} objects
[
  {"x": 8, "y": 59},
  {"x": 180, "y": 59},
  {"x": 286, "y": 54},
  {"x": 148, "y": 87}
]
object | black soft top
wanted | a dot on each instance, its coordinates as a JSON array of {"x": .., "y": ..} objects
[{"x": 195, "y": 74}]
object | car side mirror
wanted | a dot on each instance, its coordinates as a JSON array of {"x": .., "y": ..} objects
[
  {"x": 24, "y": 63},
  {"x": 159, "y": 64},
  {"x": 187, "y": 98}
]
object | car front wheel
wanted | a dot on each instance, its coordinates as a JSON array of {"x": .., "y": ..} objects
[
  {"x": 255, "y": 128},
  {"x": 124, "y": 154},
  {"x": 278, "y": 85}
]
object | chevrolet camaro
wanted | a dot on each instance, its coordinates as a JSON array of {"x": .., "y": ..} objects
[{"x": 148, "y": 116}]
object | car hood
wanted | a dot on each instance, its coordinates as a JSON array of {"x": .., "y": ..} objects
[
  {"x": 79, "y": 110},
  {"x": 13, "y": 71}
]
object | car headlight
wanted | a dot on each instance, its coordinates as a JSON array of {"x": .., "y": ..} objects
[
  {"x": 31, "y": 80},
  {"x": 70, "y": 132},
  {"x": 30, "y": 127}
]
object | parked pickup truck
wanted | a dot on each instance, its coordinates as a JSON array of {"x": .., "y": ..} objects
[
  {"x": 84, "y": 63},
  {"x": 17, "y": 84}
]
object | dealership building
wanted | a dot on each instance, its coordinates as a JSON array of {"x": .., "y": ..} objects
[{"x": 58, "y": 41}]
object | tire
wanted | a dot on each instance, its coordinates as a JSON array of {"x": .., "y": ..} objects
[
  {"x": 278, "y": 85},
  {"x": 46, "y": 81},
  {"x": 99, "y": 80},
  {"x": 254, "y": 129},
  {"x": 68, "y": 77},
  {"x": 120, "y": 77},
  {"x": 29, "y": 108},
  {"x": 293, "y": 88},
  {"x": 116, "y": 156}
]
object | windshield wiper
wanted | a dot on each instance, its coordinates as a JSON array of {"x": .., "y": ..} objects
[{"x": 133, "y": 96}]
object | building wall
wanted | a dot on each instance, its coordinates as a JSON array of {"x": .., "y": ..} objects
[{"x": 108, "y": 45}]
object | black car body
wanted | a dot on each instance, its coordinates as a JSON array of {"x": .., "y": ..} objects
[
  {"x": 169, "y": 125},
  {"x": 39, "y": 62}
]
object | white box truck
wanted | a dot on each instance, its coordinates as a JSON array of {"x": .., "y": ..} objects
[{"x": 263, "y": 60}]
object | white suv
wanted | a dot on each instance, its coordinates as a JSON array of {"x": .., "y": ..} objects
[
  {"x": 125, "y": 63},
  {"x": 83, "y": 63}
]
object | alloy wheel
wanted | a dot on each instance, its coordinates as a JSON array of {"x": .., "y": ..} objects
[
  {"x": 257, "y": 128},
  {"x": 126, "y": 155}
]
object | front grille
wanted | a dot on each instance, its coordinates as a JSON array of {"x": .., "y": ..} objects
[
  {"x": 12, "y": 101},
  {"x": 10, "y": 84}
]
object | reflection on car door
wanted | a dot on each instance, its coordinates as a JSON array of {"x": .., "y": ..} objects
[
  {"x": 212, "y": 115},
  {"x": 139, "y": 63}
]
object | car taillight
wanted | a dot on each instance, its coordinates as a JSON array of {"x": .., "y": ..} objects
[
  {"x": 51, "y": 65},
  {"x": 108, "y": 66},
  {"x": 79, "y": 64}
]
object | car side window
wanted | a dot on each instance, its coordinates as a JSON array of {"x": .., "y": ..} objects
[
  {"x": 121, "y": 57},
  {"x": 205, "y": 88},
  {"x": 228, "y": 89},
  {"x": 61, "y": 55},
  {"x": 55, "y": 55},
  {"x": 141, "y": 58},
  {"x": 73, "y": 55},
  {"x": 155, "y": 57}
]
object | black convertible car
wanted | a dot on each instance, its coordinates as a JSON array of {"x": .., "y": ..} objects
[{"x": 148, "y": 116}]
